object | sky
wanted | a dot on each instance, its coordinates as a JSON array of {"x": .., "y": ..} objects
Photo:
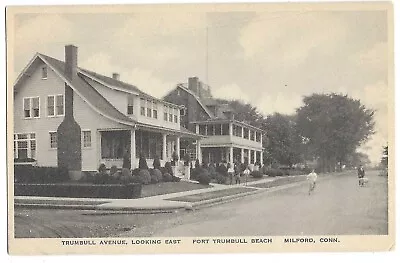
[{"x": 271, "y": 59}]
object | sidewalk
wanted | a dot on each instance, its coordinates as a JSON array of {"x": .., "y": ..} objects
[{"x": 160, "y": 203}]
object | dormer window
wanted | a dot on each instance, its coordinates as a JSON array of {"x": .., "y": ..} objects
[
  {"x": 44, "y": 72},
  {"x": 130, "y": 105}
]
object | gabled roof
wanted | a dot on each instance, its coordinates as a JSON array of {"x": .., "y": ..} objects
[
  {"x": 185, "y": 88},
  {"x": 87, "y": 92}
]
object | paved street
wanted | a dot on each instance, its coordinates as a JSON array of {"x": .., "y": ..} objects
[{"x": 338, "y": 206}]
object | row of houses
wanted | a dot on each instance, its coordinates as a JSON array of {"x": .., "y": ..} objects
[{"x": 65, "y": 115}]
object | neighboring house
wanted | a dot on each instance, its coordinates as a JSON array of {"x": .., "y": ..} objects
[
  {"x": 68, "y": 116},
  {"x": 227, "y": 139}
]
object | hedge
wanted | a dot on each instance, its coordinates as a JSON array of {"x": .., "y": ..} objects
[
  {"x": 115, "y": 191},
  {"x": 39, "y": 174}
]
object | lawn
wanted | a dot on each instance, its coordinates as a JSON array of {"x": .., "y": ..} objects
[
  {"x": 212, "y": 195},
  {"x": 280, "y": 181},
  {"x": 170, "y": 187}
]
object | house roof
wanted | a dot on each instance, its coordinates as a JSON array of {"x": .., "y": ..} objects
[
  {"x": 87, "y": 92},
  {"x": 185, "y": 88}
]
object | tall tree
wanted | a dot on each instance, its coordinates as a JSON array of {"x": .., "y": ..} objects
[
  {"x": 335, "y": 126},
  {"x": 282, "y": 141}
]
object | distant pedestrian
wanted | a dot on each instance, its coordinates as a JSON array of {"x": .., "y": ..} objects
[
  {"x": 246, "y": 174},
  {"x": 361, "y": 175},
  {"x": 237, "y": 173},
  {"x": 312, "y": 181},
  {"x": 231, "y": 172}
]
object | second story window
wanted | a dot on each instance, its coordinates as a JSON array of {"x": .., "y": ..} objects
[
  {"x": 129, "y": 110},
  {"x": 143, "y": 107},
  {"x": 170, "y": 114},
  {"x": 176, "y": 115},
  {"x": 55, "y": 105},
  {"x": 155, "y": 111},
  {"x": 165, "y": 113},
  {"x": 245, "y": 133},
  {"x": 202, "y": 129},
  {"x": 31, "y": 107},
  {"x": 149, "y": 110},
  {"x": 44, "y": 72}
]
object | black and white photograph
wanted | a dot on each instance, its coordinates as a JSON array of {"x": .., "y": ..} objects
[{"x": 166, "y": 128}]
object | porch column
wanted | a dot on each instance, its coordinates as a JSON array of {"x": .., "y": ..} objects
[
  {"x": 230, "y": 129},
  {"x": 242, "y": 155},
  {"x": 231, "y": 155},
  {"x": 164, "y": 147},
  {"x": 178, "y": 146},
  {"x": 255, "y": 156},
  {"x": 197, "y": 129},
  {"x": 198, "y": 151},
  {"x": 133, "y": 149},
  {"x": 261, "y": 158},
  {"x": 249, "y": 156}
]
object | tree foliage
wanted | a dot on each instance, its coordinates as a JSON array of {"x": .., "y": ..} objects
[
  {"x": 282, "y": 141},
  {"x": 334, "y": 125}
]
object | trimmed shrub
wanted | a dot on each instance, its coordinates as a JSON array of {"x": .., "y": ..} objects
[
  {"x": 143, "y": 163},
  {"x": 39, "y": 174},
  {"x": 204, "y": 179},
  {"x": 221, "y": 179},
  {"x": 212, "y": 172},
  {"x": 156, "y": 163},
  {"x": 101, "y": 178},
  {"x": 175, "y": 179},
  {"x": 79, "y": 190},
  {"x": 168, "y": 168},
  {"x": 167, "y": 177},
  {"x": 144, "y": 176},
  {"x": 102, "y": 168},
  {"x": 135, "y": 172},
  {"x": 113, "y": 170},
  {"x": 256, "y": 174},
  {"x": 157, "y": 174},
  {"x": 154, "y": 178}
]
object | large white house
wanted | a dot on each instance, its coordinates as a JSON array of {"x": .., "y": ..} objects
[{"x": 68, "y": 116}]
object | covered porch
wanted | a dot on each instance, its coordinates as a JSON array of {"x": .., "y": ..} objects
[
  {"x": 119, "y": 144},
  {"x": 232, "y": 154}
]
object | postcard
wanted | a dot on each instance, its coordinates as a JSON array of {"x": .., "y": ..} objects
[{"x": 200, "y": 128}]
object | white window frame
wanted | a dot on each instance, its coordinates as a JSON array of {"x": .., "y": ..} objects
[
  {"x": 149, "y": 106},
  {"x": 154, "y": 109},
  {"x": 165, "y": 112},
  {"x": 130, "y": 96},
  {"x": 53, "y": 148},
  {"x": 28, "y": 140},
  {"x": 55, "y": 106},
  {"x": 47, "y": 72},
  {"x": 30, "y": 107},
  {"x": 83, "y": 139},
  {"x": 143, "y": 105}
]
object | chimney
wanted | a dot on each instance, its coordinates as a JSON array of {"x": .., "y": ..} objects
[
  {"x": 71, "y": 61},
  {"x": 115, "y": 76},
  {"x": 194, "y": 85}
]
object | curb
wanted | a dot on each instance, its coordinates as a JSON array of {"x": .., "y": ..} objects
[
  {"x": 229, "y": 198},
  {"x": 184, "y": 206},
  {"x": 100, "y": 208}
]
